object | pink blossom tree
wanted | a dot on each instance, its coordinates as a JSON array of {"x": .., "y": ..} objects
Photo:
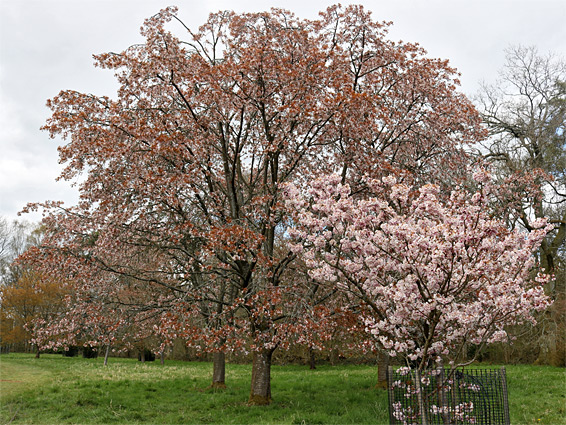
[{"x": 437, "y": 272}]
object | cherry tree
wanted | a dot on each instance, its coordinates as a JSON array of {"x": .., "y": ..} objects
[
  {"x": 89, "y": 315},
  {"x": 186, "y": 165},
  {"x": 437, "y": 271}
]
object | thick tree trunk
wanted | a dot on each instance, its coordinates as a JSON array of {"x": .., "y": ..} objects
[
  {"x": 382, "y": 364},
  {"x": 260, "y": 393},
  {"x": 218, "y": 370}
]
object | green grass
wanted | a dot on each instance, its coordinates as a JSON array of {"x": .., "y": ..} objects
[
  {"x": 59, "y": 390},
  {"x": 537, "y": 394}
]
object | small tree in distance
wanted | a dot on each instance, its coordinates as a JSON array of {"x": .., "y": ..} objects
[
  {"x": 31, "y": 298},
  {"x": 436, "y": 273}
]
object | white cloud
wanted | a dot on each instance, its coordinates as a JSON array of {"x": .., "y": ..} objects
[{"x": 47, "y": 46}]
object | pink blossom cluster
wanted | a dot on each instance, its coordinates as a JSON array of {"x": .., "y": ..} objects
[{"x": 436, "y": 269}]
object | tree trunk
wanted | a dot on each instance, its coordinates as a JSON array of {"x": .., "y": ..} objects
[
  {"x": 420, "y": 398},
  {"x": 218, "y": 370},
  {"x": 334, "y": 356},
  {"x": 441, "y": 389},
  {"x": 106, "y": 355},
  {"x": 260, "y": 393},
  {"x": 382, "y": 364},
  {"x": 312, "y": 359},
  {"x": 162, "y": 356}
]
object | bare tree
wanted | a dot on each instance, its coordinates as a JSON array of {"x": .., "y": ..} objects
[
  {"x": 525, "y": 112},
  {"x": 15, "y": 238}
]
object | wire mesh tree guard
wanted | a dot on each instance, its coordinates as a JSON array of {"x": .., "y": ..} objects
[{"x": 444, "y": 396}]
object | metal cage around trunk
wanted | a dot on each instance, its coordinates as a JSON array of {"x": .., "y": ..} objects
[{"x": 444, "y": 396}]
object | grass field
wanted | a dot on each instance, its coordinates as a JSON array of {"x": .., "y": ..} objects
[{"x": 60, "y": 390}]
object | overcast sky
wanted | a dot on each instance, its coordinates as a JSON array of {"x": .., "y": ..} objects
[{"x": 47, "y": 46}]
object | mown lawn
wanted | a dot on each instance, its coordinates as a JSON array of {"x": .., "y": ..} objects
[{"x": 59, "y": 390}]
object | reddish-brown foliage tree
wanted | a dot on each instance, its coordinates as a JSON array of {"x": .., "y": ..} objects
[
  {"x": 32, "y": 297},
  {"x": 100, "y": 309},
  {"x": 186, "y": 165}
]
